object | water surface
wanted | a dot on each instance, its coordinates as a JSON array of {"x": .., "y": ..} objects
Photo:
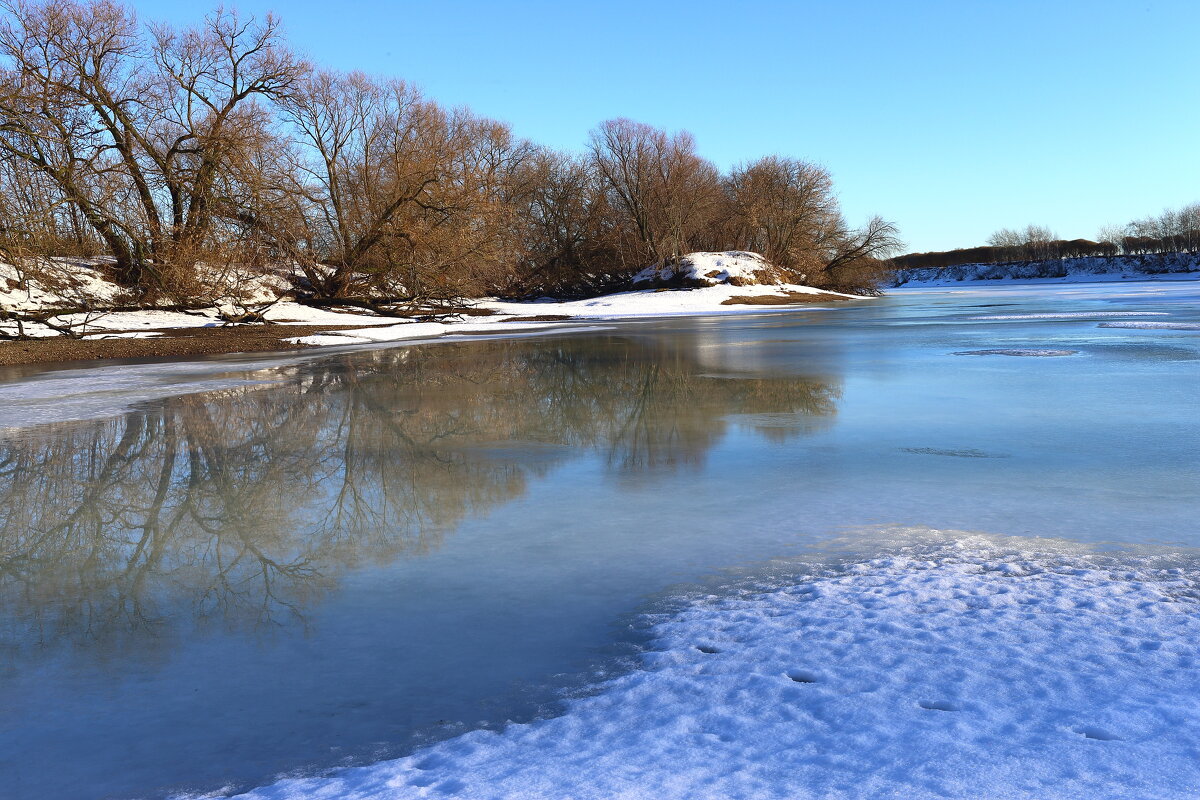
[{"x": 329, "y": 560}]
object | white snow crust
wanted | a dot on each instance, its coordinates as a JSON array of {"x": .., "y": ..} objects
[
  {"x": 666, "y": 303},
  {"x": 972, "y": 667}
]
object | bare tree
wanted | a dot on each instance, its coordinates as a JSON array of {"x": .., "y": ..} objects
[
  {"x": 401, "y": 197},
  {"x": 134, "y": 127},
  {"x": 784, "y": 209},
  {"x": 667, "y": 195}
]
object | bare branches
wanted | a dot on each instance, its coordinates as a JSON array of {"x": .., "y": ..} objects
[
  {"x": 134, "y": 129},
  {"x": 189, "y": 155}
]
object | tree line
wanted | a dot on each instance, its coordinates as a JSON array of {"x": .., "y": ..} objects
[
  {"x": 1172, "y": 231},
  {"x": 173, "y": 152}
]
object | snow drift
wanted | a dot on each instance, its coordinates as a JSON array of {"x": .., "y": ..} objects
[{"x": 731, "y": 267}]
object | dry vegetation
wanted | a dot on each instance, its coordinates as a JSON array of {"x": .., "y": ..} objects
[{"x": 196, "y": 161}]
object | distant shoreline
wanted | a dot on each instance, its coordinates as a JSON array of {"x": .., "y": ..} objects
[{"x": 1092, "y": 269}]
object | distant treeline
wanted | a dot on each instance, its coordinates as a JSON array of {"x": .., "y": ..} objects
[
  {"x": 172, "y": 151},
  {"x": 1173, "y": 231}
]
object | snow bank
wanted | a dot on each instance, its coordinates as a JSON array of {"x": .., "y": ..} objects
[
  {"x": 426, "y": 330},
  {"x": 1174, "y": 266},
  {"x": 965, "y": 669},
  {"x": 732, "y": 267},
  {"x": 665, "y": 303},
  {"x": 58, "y": 283},
  {"x": 74, "y": 283},
  {"x": 54, "y": 283}
]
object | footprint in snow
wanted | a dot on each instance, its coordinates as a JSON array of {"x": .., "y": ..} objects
[
  {"x": 707, "y": 648},
  {"x": 803, "y": 676},
  {"x": 938, "y": 705},
  {"x": 1099, "y": 734}
]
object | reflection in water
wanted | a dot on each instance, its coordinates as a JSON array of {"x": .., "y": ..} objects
[{"x": 239, "y": 507}]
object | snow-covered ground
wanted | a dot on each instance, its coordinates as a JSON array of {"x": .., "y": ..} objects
[
  {"x": 644, "y": 303},
  {"x": 733, "y": 267},
  {"x": 72, "y": 283},
  {"x": 1166, "y": 266},
  {"x": 957, "y": 665}
]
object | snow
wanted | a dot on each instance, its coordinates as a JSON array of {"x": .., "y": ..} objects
[
  {"x": 644, "y": 303},
  {"x": 71, "y": 283},
  {"x": 64, "y": 282},
  {"x": 665, "y": 303},
  {"x": 290, "y": 313},
  {"x": 955, "y": 666},
  {"x": 712, "y": 268},
  {"x": 425, "y": 330},
  {"x": 125, "y": 335}
]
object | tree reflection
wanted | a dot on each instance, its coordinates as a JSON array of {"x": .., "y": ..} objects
[{"x": 238, "y": 507}]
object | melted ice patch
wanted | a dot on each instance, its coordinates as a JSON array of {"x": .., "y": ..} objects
[
  {"x": 969, "y": 452},
  {"x": 1034, "y": 352},
  {"x": 962, "y": 670},
  {"x": 1072, "y": 315},
  {"x": 1153, "y": 326}
]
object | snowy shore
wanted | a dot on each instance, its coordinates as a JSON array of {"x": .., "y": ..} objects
[
  {"x": 712, "y": 283},
  {"x": 643, "y": 303},
  {"x": 963, "y": 666}
]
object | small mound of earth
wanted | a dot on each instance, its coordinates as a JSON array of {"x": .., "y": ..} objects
[
  {"x": 540, "y": 318},
  {"x": 788, "y": 299},
  {"x": 1032, "y": 352},
  {"x": 731, "y": 267}
]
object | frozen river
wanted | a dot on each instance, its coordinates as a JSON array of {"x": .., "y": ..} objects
[{"x": 270, "y": 567}]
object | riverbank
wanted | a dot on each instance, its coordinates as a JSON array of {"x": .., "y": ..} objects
[{"x": 291, "y": 325}]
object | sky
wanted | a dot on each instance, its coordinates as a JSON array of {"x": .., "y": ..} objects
[{"x": 951, "y": 119}]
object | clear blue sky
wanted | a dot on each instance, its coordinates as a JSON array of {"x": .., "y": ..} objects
[{"x": 950, "y": 118}]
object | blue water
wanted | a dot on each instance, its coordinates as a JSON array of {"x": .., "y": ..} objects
[{"x": 332, "y": 559}]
